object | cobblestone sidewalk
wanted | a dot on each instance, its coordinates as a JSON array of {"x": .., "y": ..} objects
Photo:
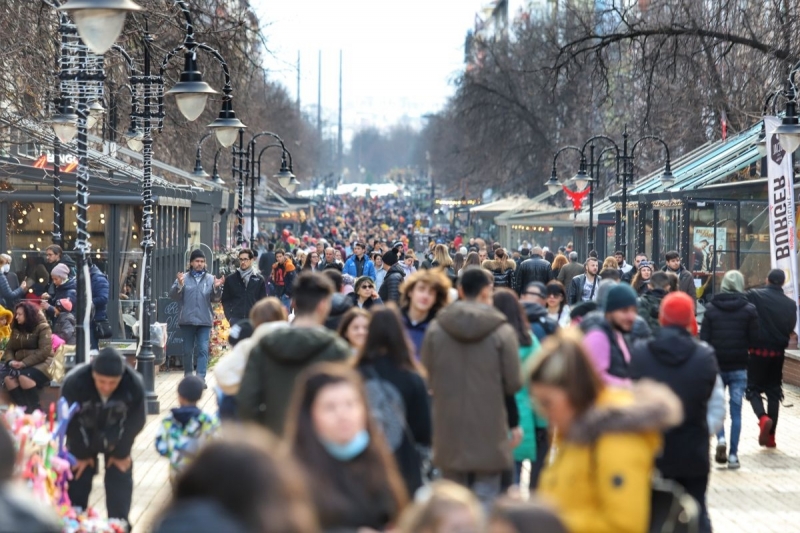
[{"x": 763, "y": 496}]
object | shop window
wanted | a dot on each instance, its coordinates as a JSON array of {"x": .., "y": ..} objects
[
  {"x": 669, "y": 231},
  {"x": 754, "y": 261}
]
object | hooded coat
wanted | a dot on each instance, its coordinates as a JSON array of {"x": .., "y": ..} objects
[
  {"x": 273, "y": 366},
  {"x": 730, "y": 325},
  {"x": 472, "y": 357},
  {"x": 600, "y": 473},
  {"x": 390, "y": 288},
  {"x": 688, "y": 367},
  {"x": 34, "y": 348}
]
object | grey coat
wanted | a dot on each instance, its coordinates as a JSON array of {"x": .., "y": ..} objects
[{"x": 195, "y": 297}]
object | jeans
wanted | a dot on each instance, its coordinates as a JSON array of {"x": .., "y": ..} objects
[
  {"x": 486, "y": 487},
  {"x": 198, "y": 336},
  {"x": 736, "y": 381},
  {"x": 118, "y": 485},
  {"x": 287, "y": 302}
]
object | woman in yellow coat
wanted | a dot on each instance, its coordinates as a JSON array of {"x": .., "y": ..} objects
[{"x": 605, "y": 443}]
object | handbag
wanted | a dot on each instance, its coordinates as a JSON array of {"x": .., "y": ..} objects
[{"x": 103, "y": 330}]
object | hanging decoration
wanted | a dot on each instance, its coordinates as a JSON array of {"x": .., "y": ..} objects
[{"x": 576, "y": 197}]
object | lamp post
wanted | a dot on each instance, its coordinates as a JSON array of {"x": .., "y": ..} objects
[
  {"x": 624, "y": 173},
  {"x": 285, "y": 176},
  {"x": 198, "y": 171},
  {"x": 147, "y": 114}
]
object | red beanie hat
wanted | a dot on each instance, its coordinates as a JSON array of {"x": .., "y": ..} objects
[{"x": 677, "y": 309}]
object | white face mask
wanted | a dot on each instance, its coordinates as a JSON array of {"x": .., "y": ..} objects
[{"x": 5, "y": 269}]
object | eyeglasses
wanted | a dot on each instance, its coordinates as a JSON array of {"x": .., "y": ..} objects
[
  {"x": 366, "y": 287},
  {"x": 245, "y": 259}
]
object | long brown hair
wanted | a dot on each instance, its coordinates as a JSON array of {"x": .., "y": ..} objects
[
  {"x": 506, "y": 301},
  {"x": 560, "y": 261},
  {"x": 262, "y": 489},
  {"x": 347, "y": 318},
  {"x": 374, "y": 472},
  {"x": 387, "y": 339},
  {"x": 472, "y": 259}
]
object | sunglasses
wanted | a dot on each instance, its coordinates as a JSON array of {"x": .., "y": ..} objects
[
  {"x": 366, "y": 286},
  {"x": 534, "y": 294}
]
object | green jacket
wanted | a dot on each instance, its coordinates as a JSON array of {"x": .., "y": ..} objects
[
  {"x": 649, "y": 305},
  {"x": 529, "y": 419},
  {"x": 274, "y": 364}
]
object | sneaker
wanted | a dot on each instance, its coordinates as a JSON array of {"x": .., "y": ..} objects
[
  {"x": 764, "y": 427},
  {"x": 733, "y": 462},
  {"x": 771, "y": 442},
  {"x": 722, "y": 454}
]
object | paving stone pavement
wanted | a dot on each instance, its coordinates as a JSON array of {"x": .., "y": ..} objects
[{"x": 763, "y": 496}]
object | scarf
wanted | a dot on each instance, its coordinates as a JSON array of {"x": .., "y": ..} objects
[
  {"x": 198, "y": 275},
  {"x": 246, "y": 275}
]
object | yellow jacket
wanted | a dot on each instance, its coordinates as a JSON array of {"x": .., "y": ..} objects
[
  {"x": 599, "y": 477},
  {"x": 5, "y": 330}
]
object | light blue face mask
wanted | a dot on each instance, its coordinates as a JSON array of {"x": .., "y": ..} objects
[{"x": 350, "y": 450}]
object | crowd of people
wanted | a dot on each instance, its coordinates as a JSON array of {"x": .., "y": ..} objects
[{"x": 467, "y": 388}]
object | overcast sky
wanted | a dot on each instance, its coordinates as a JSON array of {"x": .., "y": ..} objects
[{"x": 399, "y": 57}]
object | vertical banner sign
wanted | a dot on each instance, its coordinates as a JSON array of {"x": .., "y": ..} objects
[{"x": 782, "y": 243}]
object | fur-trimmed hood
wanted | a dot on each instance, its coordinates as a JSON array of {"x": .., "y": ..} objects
[
  {"x": 499, "y": 266},
  {"x": 648, "y": 407}
]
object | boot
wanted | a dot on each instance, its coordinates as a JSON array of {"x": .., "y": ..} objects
[
  {"x": 31, "y": 399},
  {"x": 17, "y": 397},
  {"x": 764, "y": 428}
]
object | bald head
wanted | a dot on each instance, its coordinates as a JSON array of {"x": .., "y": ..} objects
[{"x": 537, "y": 250}]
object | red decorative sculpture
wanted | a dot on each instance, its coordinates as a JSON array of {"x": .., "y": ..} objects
[{"x": 577, "y": 196}]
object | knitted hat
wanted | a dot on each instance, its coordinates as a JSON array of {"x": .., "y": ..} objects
[
  {"x": 733, "y": 281},
  {"x": 197, "y": 254},
  {"x": 64, "y": 304},
  {"x": 108, "y": 362},
  {"x": 389, "y": 258},
  {"x": 61, "y": 270},
  {"x": 397, "y": 244},
  {"x": 677, "y": 309},
  {"x": 646, "y": 264},
  {"x": 190, "y": 388},
  {"x": 619, "y": 297},
  {"x": 243, "y": 329}
]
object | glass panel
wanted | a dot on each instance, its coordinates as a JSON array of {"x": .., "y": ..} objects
[
  {"x": 722, "y": 253},
  {"x": 702, "y": 235},
  {"x": 754, "y": 243},
  {"x": 669, "y": 228},
  {"x": 647, "y": 247},
  {"x": 611, "y": 240},
  {"x": 632, "y": 240}
]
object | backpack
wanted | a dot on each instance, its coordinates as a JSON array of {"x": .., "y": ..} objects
[{"x": 387, "y": 408}]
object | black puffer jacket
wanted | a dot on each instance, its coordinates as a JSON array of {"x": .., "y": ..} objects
[
  {"x": 777, "y": 315},
  {"x": 530, "y": 270},
  {"x": 730, "y": 325},
  {"x": 689, "y": 368},
  {"x": 390, "y": 288}
]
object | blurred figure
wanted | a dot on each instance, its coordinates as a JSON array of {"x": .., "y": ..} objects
[
  {"x": 353, "y": 479},
  {"x": 275, "y": 362},
  {"x": 605, "y": 440},
  {"x": 515, "y": 516},
  {"x": 353, "y": 329},
  {"x": 502, "y": 268},
  {"x": 570, "y": 270},
  {"x": 27, "y": 356},
  {"x": 470, "y": 342},
  {"x": 239, "y": 484},
  {"x": 557, "y": 308},
  {"x": 559, "y": 262},
  {"x": 443, "y": 507},
  {"x": 534, "y": 269},
  {"x": 398, "y": 395},
  {"x": 364, "y": 294},
  {"x": 534, "y": 443},
  {"x": 390, "y": 288},
  {"x": 422, "y": 296}
]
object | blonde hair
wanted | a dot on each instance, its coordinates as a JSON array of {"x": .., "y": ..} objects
[
  {"x": 441, "y": 256},
  {"x": 434, "y": 502},
  {"x": 610, "y": 262}
]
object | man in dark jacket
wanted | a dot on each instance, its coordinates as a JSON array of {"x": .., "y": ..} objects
[
  {"x": 730, "y": 326},
  {"x": 777, "y": 317},
  {"x": 534, "y": 269},
  {"x": 266, "y": 260},
  {"x": 570, "y": 270},
  {"x": 390, "y": 288},
  {"x": 470, "y": 342},
  {"x": 685, "y": 278},
  {"x": 583, "y": 288},
  {"x": 111, "y": 398},
  {"x": 100, "y": 293},
  {"x": 242, "y": 289},
  {"x": 281, "y": 355},
  {"x": 534, "y": 300},
  {"x": 650, "y": 302},
  {"x": 688, "y": 367}
]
